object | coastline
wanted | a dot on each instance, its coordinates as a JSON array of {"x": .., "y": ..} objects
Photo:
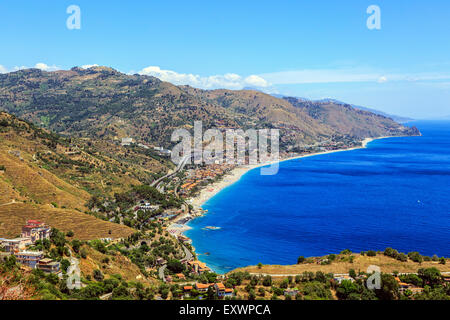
[{"x": 236, "y": 174}]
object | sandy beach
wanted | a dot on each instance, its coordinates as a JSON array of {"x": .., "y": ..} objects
[{"x": 236, "y": 174}]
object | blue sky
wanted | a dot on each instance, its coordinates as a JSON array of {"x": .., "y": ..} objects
[{"x": 312, "y": 49}]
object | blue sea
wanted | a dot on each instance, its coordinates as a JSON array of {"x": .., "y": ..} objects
[{"x": 395, "y": 193}]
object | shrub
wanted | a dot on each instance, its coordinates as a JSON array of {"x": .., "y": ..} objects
[
  {"x": 98, "y": 275},
  {"x": 300, "y": 259},
  {"x": 415, "y": 256},
  {"x": 371, "y": 253},
  {"x": 267, "y": 281},
  {"x": 402, "y": 257}
]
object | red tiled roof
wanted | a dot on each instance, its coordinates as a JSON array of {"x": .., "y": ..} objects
[
  {"x": 33, "y": 222},
  {"x": 202, "y": 286},
  {"x": 220, "y": 286}
]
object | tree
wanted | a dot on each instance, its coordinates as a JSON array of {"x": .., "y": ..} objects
[
  {"x": 345, "y": 289},
  {"x": 320, "y": 276},
  {"x": 70, "y": 234},
  {"x": 352, "y": 273},
  {"x": 261, "y": 291},
  {"x": 267, "y": 281},
  {"x": 57, "y": 237},
  {"x": 98, "y": 275},
  {"x": 332, "y": 257},
  {"x": 284, "y": 284},
  {"x": 300, "y": 259},
  {"x": 10, "y": 262},
  {"x": 211, "y": 293},
  {"x": 122, "y": 292},
  {"x": 65, "y": 265},
  {"x": 260, "y": 265},
  {"x": 252, "y": 295},
  {"x": 402, "y": 257},
  {"x": 415, "y": 256},
  {"x": 76, "y": 244},
  {"x": 430, "y": 276},
  {"x": 371, "y": 253},
  {"x": 175, "y": 266},
  {"x": 389, "y": 288},
  {"x": 388, "y": 252}
]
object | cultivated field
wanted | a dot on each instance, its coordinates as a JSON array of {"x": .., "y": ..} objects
[{"x": 85, "y": 227}]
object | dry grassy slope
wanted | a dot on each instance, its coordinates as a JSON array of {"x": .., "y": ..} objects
[
  {"x": 265, "y": 107},
  {"x": 7, "y": 191},
  {"x": 27, "y": 189},
  {"x": 118, "y": 264},
  {"x": 360, "y": 263},
  {"x": 66, "y": 172},
  {"x": 84, "y": 226},
  {"x": 23, "y": 178},
  {"x": 38, "y": 184}
]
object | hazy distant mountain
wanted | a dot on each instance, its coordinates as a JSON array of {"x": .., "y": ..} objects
[
  {"x": 346, "y": 119},
  {"x": 400, "y": 119},
  {"x": 396, "y": 118}
]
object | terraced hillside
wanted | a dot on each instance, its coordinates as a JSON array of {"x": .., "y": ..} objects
[{"x": 46, "y": 177}]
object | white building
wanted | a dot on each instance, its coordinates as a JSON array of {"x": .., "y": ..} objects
[{"x": 127, "y": 141}]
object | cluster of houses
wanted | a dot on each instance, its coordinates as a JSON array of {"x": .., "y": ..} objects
[
  {"x": 31, "y": 232},
  {"x": 402, "y": 287},
  {"x": 219, "y": 288},
  {"x": 160, "y": 150},
  {"x": 197, "y": 267},
  {"x": 202, "y": 175},
  {"x": 146, "y": 206}
]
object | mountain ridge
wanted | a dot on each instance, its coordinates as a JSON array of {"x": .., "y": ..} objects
[{"x": 104, "y": 103}]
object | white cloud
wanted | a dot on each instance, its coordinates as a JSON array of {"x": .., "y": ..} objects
[
  {"x": 39, "y": 65},
  {"x": 382, "y": 79},
  {"x": 226, "y": 81},
  {"x": 3, "y": 69},
  {"x": 256, "y": 81},
  {"x": 45, "y": 67},
  {"x": 87, "y": 66}
]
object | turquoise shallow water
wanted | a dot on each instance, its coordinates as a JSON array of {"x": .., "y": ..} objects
[{"x": 394, "y": 194}]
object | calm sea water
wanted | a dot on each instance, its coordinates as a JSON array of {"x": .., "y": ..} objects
[{"x": 395, "y": 193}]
